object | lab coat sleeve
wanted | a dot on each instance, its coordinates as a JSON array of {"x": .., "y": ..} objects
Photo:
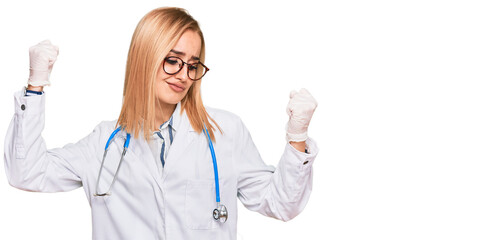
[
  {"x": 281, "y": 192},
  {"x": 28, "y": 164}
]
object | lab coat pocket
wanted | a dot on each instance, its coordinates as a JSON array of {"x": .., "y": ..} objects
[{"x": 199, "y": 204}]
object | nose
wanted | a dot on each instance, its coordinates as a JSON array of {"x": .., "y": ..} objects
[{"x": 182, "y": 74}]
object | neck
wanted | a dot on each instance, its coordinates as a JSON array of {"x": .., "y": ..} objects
[{"x": 163, "y": 113}]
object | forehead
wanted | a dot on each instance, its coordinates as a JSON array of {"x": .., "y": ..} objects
[{"x": 189, "y": 43}]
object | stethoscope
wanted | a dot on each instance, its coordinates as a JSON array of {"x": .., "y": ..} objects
[{"x": 219, "y": 213}]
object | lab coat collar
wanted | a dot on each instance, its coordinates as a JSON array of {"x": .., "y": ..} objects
[
  {"x": 185, "y": 136},
  {"x": 183, "y": 121},
  {"x": 139, "y": 151},
  {"x": 176, "y": 119}
]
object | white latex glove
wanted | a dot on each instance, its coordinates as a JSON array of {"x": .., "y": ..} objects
[
  {"x": 42, "y": 58},
  {"x": 300, "y": 108}
]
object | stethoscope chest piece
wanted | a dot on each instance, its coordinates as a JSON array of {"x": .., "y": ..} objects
[{"x": 220, "y": 213}]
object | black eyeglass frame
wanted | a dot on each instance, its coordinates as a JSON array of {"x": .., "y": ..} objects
[{"x": 181, "y": 67}]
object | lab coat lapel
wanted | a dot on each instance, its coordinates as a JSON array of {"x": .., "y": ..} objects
[
  {"x": 141, "y": 152},
  {"x": 184, "y": 138}
]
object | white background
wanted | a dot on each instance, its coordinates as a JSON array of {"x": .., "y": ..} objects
[{"x": 409, "y": 123}]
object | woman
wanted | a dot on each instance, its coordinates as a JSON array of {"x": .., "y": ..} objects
[{"x": 156, "y": 178}]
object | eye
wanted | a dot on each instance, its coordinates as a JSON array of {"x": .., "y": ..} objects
[
  {"x": 171, "y": 61},
  {"x": 193, "y": 67}
]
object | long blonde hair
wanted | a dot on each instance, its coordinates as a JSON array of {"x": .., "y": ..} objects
[{"x": 155, "y": 35}]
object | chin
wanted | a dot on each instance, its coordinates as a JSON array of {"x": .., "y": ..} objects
[
  {"x": 167, "y": 96},
  {"x": 169, "y": 101}
]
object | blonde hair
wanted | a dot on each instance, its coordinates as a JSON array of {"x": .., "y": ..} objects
[{"x": 155, "y": 35}]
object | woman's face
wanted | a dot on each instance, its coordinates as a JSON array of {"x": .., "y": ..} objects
[{"x": 171, "y": 89}]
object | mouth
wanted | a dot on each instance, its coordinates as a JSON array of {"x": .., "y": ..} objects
[{"x": 176, "y": 87}]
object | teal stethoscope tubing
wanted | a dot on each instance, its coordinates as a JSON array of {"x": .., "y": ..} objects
[
  {"x": 220, "y": 212},
  {"x": 126, "y": 145},
  {"x": 215, "y": 167}
]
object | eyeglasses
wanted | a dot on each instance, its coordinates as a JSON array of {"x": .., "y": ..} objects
[{"x": 195, "y": 71}]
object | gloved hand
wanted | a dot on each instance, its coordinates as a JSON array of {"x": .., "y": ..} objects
[
  {"x": 300, "y": 108},
  {"x": 42, "y": 58}
]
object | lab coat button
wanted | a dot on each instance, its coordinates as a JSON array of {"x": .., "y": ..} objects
[
  {"x": 23, "y": 107},
  {"x": 305, "y": 162}
]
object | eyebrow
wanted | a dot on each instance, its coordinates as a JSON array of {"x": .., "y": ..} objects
[{"x": 183, "y": 54}]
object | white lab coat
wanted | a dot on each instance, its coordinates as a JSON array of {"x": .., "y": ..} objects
[{"x": 146, "y": 204}]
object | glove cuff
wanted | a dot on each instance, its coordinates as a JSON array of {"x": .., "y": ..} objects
[
  {"x": 39, "y": 78},
  {"x": 300, "y": 137},
  {"x": 39, "y": 83}
]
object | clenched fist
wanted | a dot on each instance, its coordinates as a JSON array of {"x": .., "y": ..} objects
[
  {"x": 300, "y": 108},
  {"x": 42, "y": 58}
]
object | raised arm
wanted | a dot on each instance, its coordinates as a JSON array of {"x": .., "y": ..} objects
[
  {"x": 28, "y": 164},
  {"x": 280, "y": 192}
]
